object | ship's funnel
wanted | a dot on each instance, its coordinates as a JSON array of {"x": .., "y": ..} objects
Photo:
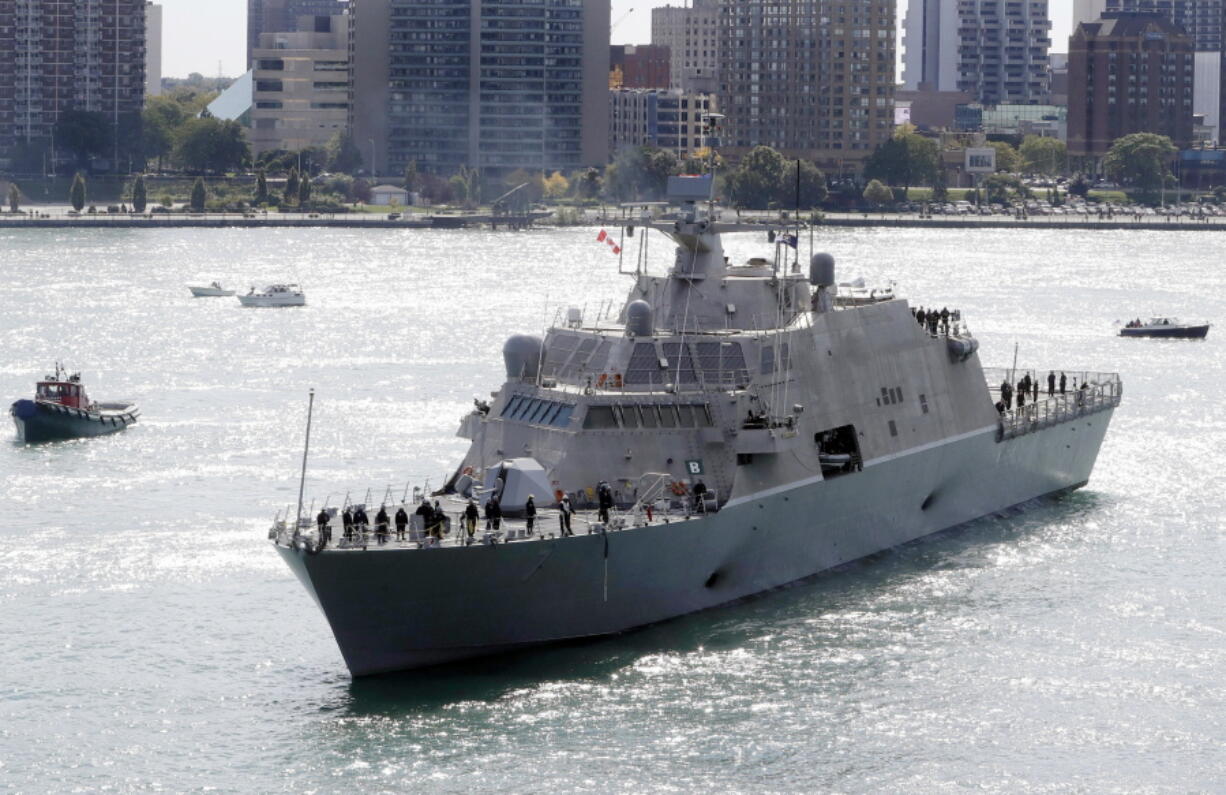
[
  {"x": 522, "y": 354},
  {"x": 821, "y": 270},
  {"x": 640, "y": 320}
]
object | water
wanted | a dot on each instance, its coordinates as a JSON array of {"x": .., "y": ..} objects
[{"x": 153, "y": 640}]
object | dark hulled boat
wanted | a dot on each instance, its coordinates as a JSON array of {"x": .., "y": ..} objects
[
  {"x": 1165, "y": 327},
  {"x": 61, "y": 409}
]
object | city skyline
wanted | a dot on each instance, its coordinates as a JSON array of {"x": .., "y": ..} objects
[{"x": 198, "y": 37}]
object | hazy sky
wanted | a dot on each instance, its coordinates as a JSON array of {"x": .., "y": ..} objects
[{"x": 198, "y": 34}]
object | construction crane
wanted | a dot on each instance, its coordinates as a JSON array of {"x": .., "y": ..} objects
[{"x": 620, "y": 20}]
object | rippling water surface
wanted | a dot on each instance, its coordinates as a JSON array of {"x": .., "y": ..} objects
[{"x": 153, "y": 640}]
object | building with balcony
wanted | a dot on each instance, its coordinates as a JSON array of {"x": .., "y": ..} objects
[
  {"x": 1128, "y": 73},
  {"x": 994, "y": 50},
  {"x": 58, "y": 56},
  {"x": 668, "y": 120},
  {"x": 300, "y": 95},
  {"x": 497, "y": 85},
  {"x": 153, "y": 50},
  {"x": 811, "y": 79},
  {"x": 691, "y": 35}
]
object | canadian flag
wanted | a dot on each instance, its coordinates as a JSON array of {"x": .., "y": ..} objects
[{"x": 605, "y": 237}]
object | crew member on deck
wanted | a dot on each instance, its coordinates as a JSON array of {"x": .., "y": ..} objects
[
  {"x": 530, "y": 512},
  {"x": 493, "y": 515},
  {"x": 402, "y": 521},
  {"x": 565, "y": 511},
  {"x": 1063, "y": 383},
  {"x": 347, "y": 521},
  {"x": 1006, "y": 393},
  {"x": 471, "y": 514},
  {"x": 700, "y": 489},
  {"x": 322, "y": 520},
  {"x": 604, "y": 497},
  {"x": 426, "y": 513},
  {"x": 1051, "y": 383},
  {"x": 381, "y": 525},
  {"x": 439, "y": 521}
]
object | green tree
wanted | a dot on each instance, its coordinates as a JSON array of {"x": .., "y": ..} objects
[
  {"x": 1044, "y": 155},
  {"x": 640, "y": 172},
  {"x": 14, "y": 198},
  {"x": 410, "y": 177},
  {"x": 261, "y": 188},
  {"x": 343, "y": 154},
  {"x": 757, "y": 181},
  {"x": 877, "y": 194},
  {"x": 140, "y": 198},
  {"x": 940, "y": 186},
  {"x": 291, "y": 186},
  {"x": 162, "y": 118},
  {"x": 208, "y": 145},
  {"x": 304, "y": 192},
  {"x": 1000, "y": 188},
  {"x": 84, "y": 133},
  {"x": 906, "y": 159},
  {"x": 1007, "y": 158},
  {"x": 199, "y": 195},
  {"x": 1140, "y": 161},
  {"x": 76, "y": 195},
  {"x": 812, "y": 185}
]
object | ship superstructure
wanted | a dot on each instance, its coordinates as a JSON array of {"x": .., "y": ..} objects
[{"x": 750, "y": 431}]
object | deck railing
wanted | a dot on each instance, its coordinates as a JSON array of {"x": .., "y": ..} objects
[{"x": 1085, "y": 393}]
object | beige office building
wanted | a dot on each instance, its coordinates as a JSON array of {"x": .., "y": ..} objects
[
  {"x": 153, "y": 50},
  {"x": 692, "y": 36},
  {"x": 301, "y": 86}
]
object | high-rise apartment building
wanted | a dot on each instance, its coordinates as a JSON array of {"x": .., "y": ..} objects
[
  {"x": 811, "y": 78},
  {"x": 1205, "y": 23},
  {"x": 58, "y": 56},
  {"x": 153, "y": 49},
  {"x": 1128, "y": 73},
  {"x": 994, "y": 50},
  {"x": 285, "y": 16},
  {"x": 669, "y": 120},
  {"x": 300, "y": 96},
  {"x": 496, "y": 85},
  {"x": 691, "y": 35}
]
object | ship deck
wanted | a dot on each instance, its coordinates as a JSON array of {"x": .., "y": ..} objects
[
  {"x": 547, "y": 526},
  {"x": 1085, "y": 392}
]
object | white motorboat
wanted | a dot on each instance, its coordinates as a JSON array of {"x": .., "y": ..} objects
[
  {"x": 274, "y": 295},
  {"x": 858, "y": 293},
  {"x": 211, "y": 290}
]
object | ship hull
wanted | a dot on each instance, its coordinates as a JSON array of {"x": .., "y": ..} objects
[
  {"x": 1168, "y": 332},
  {"x": 45, "y": 422},
  {"x": 395, "y": 609}
]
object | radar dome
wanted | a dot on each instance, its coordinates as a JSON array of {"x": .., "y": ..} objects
[
  {"x": 522, "y": 354},
  {"x": 640, "y": 321},
  {"x": 821, "y": 270}
]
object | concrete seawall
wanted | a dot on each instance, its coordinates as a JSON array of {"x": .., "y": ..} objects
[{"x": 749, "y": 223}]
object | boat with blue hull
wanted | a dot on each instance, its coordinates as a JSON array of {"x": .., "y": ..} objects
[{"x": 61, "y": 409}]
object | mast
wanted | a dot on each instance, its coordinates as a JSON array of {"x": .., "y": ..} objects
[{"x": 305, "y": 449}]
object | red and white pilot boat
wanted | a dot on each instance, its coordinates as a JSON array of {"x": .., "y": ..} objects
[{"x": 61, "y": 409}]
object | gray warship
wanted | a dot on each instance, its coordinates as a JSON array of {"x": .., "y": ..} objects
[{"x": 749, "y": 430}]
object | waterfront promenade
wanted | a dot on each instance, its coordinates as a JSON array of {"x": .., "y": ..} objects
[{"x": 59, "y": 218}]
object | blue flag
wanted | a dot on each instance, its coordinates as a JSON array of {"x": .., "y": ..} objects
[{"x": 792, "y": 241}]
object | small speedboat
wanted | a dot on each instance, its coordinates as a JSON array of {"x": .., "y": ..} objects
[
  {"x": 1164, "y": 327},
  {"x": 211, "y": 290},
  {"x": 858, "y": 293},
  {"x": 274, "y": 295},
  {"x": 61, "y": 409}
]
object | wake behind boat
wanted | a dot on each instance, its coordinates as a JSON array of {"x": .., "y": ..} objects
[
  {"x": 1165, "y": 327},
  {"x": 61, "y": 409},
  {"x": 211, "y": 290},
  {"x": 732, "y": 431},
  {"x": 274, "y": 295}
]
